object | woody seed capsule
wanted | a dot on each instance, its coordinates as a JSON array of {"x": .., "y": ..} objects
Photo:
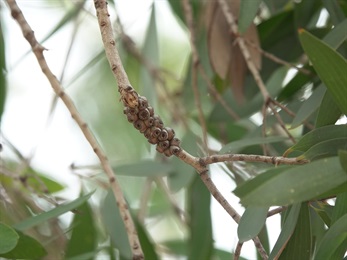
[
  {"x": 149, "y": 121},
  {"x": 144, "y": 114},
  {"x": 174, "y": 149},
  {"x": 140, "y": 125}
]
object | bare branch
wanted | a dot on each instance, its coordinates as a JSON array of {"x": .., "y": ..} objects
[
  {"x": 276, "y": 160},
  {"x": 38, "y": 51}
]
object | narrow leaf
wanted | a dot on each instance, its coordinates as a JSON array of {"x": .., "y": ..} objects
[
  {"x": 114, "y": 226},
  {"x": 318, "y": 135},
  {"x": 300, "y": 243},
  {"x": 286, "y": 232},
  {"x": 330, "y": 66},
  {"x": 251, "y": 223},
  {"x": 201, "y": 243},
  {"x": 248, "y": 10},
  {"x": 343, "y": 159},
  {"x": 59, "y": 210},
  {"x": 2, "y": 73},
  {"x": 328, "y": 112},
  {"x": 325, "y": 148},
  {"x": 237, "y": 145},
  {"x": 309, "y": 106},
  {"x": 335, "y": 236},
  {"x": 84, "y": 235},
  {"x": 145, "y": 168},
  {"x": 297, "y": 184},
  {"x": 8, "y": 237}
]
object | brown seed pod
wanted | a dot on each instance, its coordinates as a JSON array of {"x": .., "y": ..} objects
[
  {"x": 151, "y": 110},
  {"x": 133, "y": 110},
  {"x": 175, "y": 142},
  {"x": 143, "y": 103},
  {"x": 155, "y": 131},
  {"x": 153, "y": 140},
  {"x": 144, "y": 114},
  {"x": 148, "y": 133},
  {"x": 149, "y": 121},
  {"x": 140, "y": 125},
  {"x": 164, "y": 144},
  {"x": 167, "y": 153},
  {"x": 174, "y": 149},
  {"x": 158, "y": 122},
  {"x": 160, "y": 149},
  {"x": 163, "y": 135},
  {"x": 171, "y": 133},
  {"x": 132, "y": 117}
]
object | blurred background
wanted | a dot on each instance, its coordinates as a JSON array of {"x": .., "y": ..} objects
[{"x": 41, "y": 141}]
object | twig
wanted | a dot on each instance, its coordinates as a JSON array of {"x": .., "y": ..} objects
[
  {"x": 276, "y": 211},
  {"x": 251, "y": 66},
  {"x": 237, "y": 252},
  {"x": 38, "y": 51},
  {"x": 195, "y": 64},
  {"x": 272, "y": 57},
  {"x": 276, "y": 160},
  {"x": 132, "y": 100},
  {"x": 241, "y": 42}
]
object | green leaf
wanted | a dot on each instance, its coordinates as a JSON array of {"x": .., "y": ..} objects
[
  {"x": 147, "y": 244},
  {"x": 237, "y": 145},
  {"x": 309, "y": 106},
  {"x": 325, "y": 148},
  {"x": 330, "y": 66},
  {"x": 340, "y": 208},
  {"x": 324, "y": 211},
  {"x": 286, "y": 232},
  {"x": 26, "y": 248},
  {"x": 335, "y": 12},
  {"x": 297, "y": 184},
  {"x": 248, "y": 11},
  {"x": 2, "y": 73},
  {"x": 8, "y": 237},
  {"x": 59, "y": 210},
  {"x": 145, "y": 168},
  {"x": 343, "y": 159},
  {"x": 201, "y": 243},
  {"x": 300, "y": 243},
  {"x": 83, "y": 238},
  {"x": 251, "y": 223},
  {"x": 151, "y": 53},
  {"x": 328, "y": 112},
  {"x": 114, "y": 226},
  {"x": 318, "y": 135},
  {"x": 36, "y": 183},
  {"x": 335, "y": 236}
]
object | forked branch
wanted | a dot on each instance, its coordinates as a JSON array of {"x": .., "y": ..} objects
[{"x": 38, "y": 49}]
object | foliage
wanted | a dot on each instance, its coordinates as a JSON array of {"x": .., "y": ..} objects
[{"x": 303, "y": 65}]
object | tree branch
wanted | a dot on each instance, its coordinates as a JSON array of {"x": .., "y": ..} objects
[{"x": 38, "y": 49}]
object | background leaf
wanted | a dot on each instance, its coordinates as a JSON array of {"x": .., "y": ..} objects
[
  {"x": 59, "y": 210},
  {"x": 26, "y": 248},
  {"x": 330, "y": 67},
  {"x": 8, "y": 237},
  {"x": 293, "y": 185},
  {"x": 83, "y": 235},
  {"x": 251, "y": 223}
]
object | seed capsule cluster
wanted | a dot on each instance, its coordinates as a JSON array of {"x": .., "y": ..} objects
[{"x": 152, "y": 127}]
